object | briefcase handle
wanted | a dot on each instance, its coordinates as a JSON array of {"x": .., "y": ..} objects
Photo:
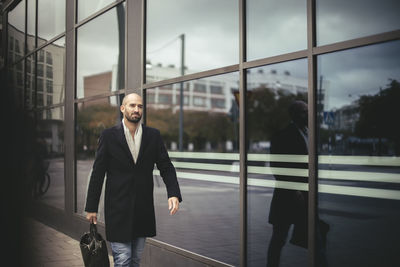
[{"x": 93, "y": 229}]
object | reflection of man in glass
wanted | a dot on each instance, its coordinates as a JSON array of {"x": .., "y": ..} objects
[
  {"x": 127, "y": 154},
  {"x": 289, "y": 206}
]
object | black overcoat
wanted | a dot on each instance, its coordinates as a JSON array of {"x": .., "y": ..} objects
[
  {"x": 129, "y": 204},
  {"x": 289, "y": 206}
]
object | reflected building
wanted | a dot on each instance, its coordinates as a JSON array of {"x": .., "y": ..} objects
[{"x": 82, "y": 57}]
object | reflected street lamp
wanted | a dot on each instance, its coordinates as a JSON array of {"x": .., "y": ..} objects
[{"x": 182, "y": 37}]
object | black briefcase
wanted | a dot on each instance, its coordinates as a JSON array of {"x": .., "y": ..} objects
[{"x": 94, "y": 249}]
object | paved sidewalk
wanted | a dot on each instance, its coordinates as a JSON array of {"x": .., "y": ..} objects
[{"x": 50, "y": 248}]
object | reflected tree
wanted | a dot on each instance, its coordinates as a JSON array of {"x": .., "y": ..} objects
[
  {"x": 268, "y": 111},
  {"x": 91, "y": 121},
  {"x": 376, "y": 116},
  {"x": 200, "y": 127}
]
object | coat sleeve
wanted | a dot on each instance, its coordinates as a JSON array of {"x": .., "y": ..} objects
[
  {"x": 167, "y": 170},
  {"x": 97, "y": 176}
]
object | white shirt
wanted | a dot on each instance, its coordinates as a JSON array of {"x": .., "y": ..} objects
[{"x": 133, "y": 143}]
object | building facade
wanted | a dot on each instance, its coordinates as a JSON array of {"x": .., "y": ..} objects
[{"x": 217, "y": 79}]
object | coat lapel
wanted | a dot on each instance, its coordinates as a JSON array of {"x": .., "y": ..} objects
[
  {"x": 122, "y": 140},
  {"x": 143, "y": 144}
]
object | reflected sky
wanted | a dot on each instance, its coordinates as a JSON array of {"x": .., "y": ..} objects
[
  {"x": 88, "y": 7},
  {"x": 51, "y": 18},
  {"x": 341, "y": 20},
  {"x": 210, "y": 28},
  {"x": 97, "y": 47},
  {"x": 275, "y": 27},
  {"x": 358, "y": 71},
  {"x": 16, "y": 16}
]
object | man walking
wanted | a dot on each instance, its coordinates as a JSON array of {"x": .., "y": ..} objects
[{"x": 127, "y": 154}]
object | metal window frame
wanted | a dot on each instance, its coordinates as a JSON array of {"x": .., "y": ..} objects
[{"x": 68, "y": 220}]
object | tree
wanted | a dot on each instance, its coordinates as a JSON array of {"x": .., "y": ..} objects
[{"x": 378, "y": 116}]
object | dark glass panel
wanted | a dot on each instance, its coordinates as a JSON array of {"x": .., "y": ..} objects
[
  {"x": 100, "y": 68},
  {"x": 50, "y": 185},
  {"x": 88, "y": 7},
  {"x": 16, "y": 32},
  {"x": 277, "y": 164},
  {"x": 341, "y": 20},
  {"x": 206, "y": 157},
  {"x": 92, "y": 117},
  {"x": 359, "y": 154},
  {"x": 275, "y": 27},
  {"x": 207, "y": 37},
  {"x": 51, "y": 19}
]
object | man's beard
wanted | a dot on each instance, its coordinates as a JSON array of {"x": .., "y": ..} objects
[{"x": 136, "y": 120}]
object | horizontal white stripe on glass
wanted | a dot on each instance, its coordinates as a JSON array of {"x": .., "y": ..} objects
[
  {"x": 323, "y": 174},
  {"x": 346, "y": 160},
  {"x": 330, "y": 189},
  {"x": 359, "y": 191}
]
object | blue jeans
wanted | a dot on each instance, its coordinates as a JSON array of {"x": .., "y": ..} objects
[{"x": 128, "y": 254}]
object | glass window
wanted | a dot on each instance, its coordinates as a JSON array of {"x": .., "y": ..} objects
[
  {"x": 50, "y": 157},
  {"x": 49, "y": 100},
  {"x": 199, "y": 101},
  {"x": 41, "y": 56},
  {"x": 210, "y": 36},
  {"x": 31, "y": 22},
  {"x": 39, "y": 84},
  {"x": 275, "y": 27},
  {"x": 49, "y": 58},
  {"x": 198, "y": 87},
  {"x": 40, "y": 71},
  {"x": 277, "y": 164},
  {"x": 30, "y": 85},
  {"x": 343, "y": 20},
  {"x": 100, "y": 68},
  {"x": 18, "y": 81},
  {"x": 216, "y": 89},
  {"x": 217, "y": 103},
  {"x": 49, "y": 72},
  {"x": 208, "y": 174},
  {"x": 359, "y": 154},
  {"x": 51, "y": 19},
  {"x": 39, "y": 99},
  {"x": 55, "y": 73},
  {"x": 49, "y": 86},
  {"x": 16, "y": 31},
  {"x": 88, "y": 7},
  {"x": 92, "y": 117},
  {"x": 164, "y": 99}
]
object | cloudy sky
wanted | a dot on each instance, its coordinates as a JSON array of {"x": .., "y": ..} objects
[{"x": 211, "y": 29}]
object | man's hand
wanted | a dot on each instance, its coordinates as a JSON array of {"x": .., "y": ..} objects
[
  {"x": 92, "y": 217},
  {"x": 173, "y": 205}
]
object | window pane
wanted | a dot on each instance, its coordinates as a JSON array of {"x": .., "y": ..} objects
[
  {"x": 88, "y": 7},
  {"x": 15, "y": 81},
  {"x": 211, "y": 36},
  {"x": 275, "y": 27},
  {"x": 359, "y": 154},
  {"x": 92, "y": 117},
  {"x": 277, "y": 163},
  {"x": 31, "y": 18},
  {"x": 51, "y": 19},
  {"x": 51, "y": 73},
  {"x": 16, "y": 32},
  {"x": 207, "y": 167},
  {"x": 343, "y": 20},
  {"x": 30, "y": 84},
  {"x": 50, "y": 157},
  {"x": 100, "y": 68}
]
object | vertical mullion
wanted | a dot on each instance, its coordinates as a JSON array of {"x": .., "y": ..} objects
[
  {"x": 23, "y": 100},
  {"x": 312, "y": 152},
  {"x": 69, "y": 110},
  {"x": 134, "y": 45},
  {"x": 242, "y": 133}
]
